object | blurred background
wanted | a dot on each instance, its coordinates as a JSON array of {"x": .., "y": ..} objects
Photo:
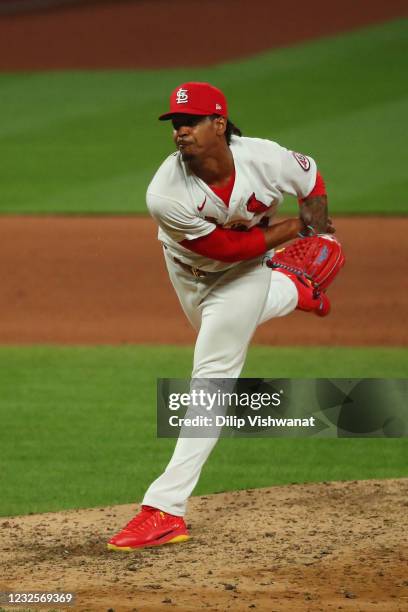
[{"x": 89, "y": 319}]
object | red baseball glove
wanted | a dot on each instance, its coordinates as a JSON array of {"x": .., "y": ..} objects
[{"x": 316, "y": 258}]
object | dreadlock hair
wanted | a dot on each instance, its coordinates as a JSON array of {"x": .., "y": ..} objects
[{"x": 232, "y": 130}]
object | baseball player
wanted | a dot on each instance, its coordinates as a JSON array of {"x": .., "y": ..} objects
[{"x": 214, "y": 200}]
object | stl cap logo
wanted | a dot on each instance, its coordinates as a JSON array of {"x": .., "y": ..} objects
[
  {"x": 182, "y": 96},
  {"x": 218, "y": 107}
]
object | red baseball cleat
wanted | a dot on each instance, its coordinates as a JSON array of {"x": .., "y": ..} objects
[
  {"x": 323, "y": 307},
  {"x": 309, "y": 299},
  {"x": 151, "y": 527}
]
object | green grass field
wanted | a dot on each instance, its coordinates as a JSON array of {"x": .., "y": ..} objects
[
  {"x": 79, "y": 142},
  {"x": 79, "y": 425}
]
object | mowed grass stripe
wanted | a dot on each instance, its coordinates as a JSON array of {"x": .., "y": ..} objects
[
  {"x": 79, "y": 425},
  {"x": 89, "y": 142}
]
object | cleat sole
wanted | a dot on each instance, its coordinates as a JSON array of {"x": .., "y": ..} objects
[{"x": 173, "y": 540}]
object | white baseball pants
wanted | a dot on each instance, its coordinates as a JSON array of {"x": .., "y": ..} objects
[{"x": 225, "y": 308}]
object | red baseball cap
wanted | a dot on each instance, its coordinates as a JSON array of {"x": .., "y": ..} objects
[{"x": 196, "y": 99}]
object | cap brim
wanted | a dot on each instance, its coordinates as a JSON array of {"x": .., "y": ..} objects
[
  {"x": 166, "y": 116},
  {"x": 191, "y": 111}
]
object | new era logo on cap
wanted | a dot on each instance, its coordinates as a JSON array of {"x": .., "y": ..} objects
[{"x": 196, "y": 98}]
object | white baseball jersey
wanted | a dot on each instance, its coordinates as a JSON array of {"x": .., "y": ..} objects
[
  {"x": 224, "y": 308},
  {"x": 186, "y": 208}
]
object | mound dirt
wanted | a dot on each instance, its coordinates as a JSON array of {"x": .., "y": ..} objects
[
  {"x": 304, "y": 547},
  {"x": 103, "y": 281}
]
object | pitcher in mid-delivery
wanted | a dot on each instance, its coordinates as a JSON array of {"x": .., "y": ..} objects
[{"x": 214, "y": 200}]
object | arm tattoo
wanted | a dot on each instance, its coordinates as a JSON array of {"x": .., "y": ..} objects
[{"x": 313, "y": 211}]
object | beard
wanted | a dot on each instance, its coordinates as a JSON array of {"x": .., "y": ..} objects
[{"x": 186, "y": 157}]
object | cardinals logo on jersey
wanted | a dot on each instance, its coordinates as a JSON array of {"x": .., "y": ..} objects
[
  {"x": 302, "y": 160},
  {"x": 255, "y": 206}
]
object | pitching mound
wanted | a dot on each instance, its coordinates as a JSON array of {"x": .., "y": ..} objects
[{"x": 328, "y": 546}]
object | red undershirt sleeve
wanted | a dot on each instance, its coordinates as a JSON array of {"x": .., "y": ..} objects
[
  {"x": 229, "y": 245},
  {"x": 318, "y": 190}
]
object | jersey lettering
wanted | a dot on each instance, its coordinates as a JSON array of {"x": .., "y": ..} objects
[
  {"x": 186, "y": 209},
  {"x": 255, "y": 206}
]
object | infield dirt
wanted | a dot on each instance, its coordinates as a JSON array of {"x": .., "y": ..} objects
[
  {"x": 163, "y": 33},
  {"x": 103, "y": 281}
]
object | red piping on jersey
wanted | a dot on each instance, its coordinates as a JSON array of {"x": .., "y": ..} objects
[
  {"x": 229, "y": 245},
  {"x": 319, "y": 189}
]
